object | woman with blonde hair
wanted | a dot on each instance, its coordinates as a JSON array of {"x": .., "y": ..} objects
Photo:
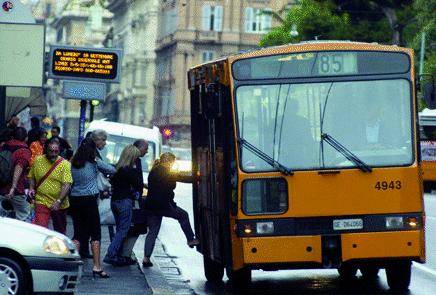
[
  {"x": 160, "y": 202},
  {"x": 125, "y": 182}
]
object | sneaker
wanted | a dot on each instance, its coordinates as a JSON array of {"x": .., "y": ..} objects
[
  {"x": 193, "y": 243},
  {"x": 112, "y": 261}
]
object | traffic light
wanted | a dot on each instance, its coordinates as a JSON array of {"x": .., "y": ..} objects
[{"x": 167, "y": 132}]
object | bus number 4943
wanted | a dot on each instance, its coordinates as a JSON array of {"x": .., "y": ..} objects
[{"x": 388, "y": 185}]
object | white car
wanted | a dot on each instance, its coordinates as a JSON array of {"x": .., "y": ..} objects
[{"x": 36, "y": 259}]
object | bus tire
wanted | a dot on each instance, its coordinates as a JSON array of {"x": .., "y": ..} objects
[
  {"x": 213, "y": 270},
  {"x": 398, "y": 275},
  {"x": 369, "y": 272},
  {"x": 347, "y": 271},
  {"x": 240, "y": 277}
]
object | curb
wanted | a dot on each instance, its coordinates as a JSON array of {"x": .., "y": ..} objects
[{"x": 155, "y": 279}]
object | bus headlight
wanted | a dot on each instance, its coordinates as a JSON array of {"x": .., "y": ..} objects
[
  {"x": 264, "y": 228},
  {"x": 394, "y": 222}
]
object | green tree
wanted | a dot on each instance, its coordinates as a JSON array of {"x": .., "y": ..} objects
[
  {"x": 313, "y": 20},
  {"x": 383, "y": 21}
]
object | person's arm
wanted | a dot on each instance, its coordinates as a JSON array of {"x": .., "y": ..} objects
[
  {"x": 64, "y": 192},
  {"x": 17, "y": 174},
  {"x": 105, "y": 167}
]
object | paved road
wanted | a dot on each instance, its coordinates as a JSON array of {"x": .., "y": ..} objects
[{"x": 300, "y": 281}]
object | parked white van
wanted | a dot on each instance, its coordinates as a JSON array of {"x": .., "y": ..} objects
[{"x": 120, "y": 135}]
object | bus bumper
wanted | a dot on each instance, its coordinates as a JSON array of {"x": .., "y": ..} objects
[{"x": 311, "y": 250}]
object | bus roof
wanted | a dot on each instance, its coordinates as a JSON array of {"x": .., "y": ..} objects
[
  {"x": 127, "y": 130},
  {"x": 321, "y": 45}
]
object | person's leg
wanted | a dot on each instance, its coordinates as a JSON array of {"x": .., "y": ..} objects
[
  {"x": 154, "y": 222},
  {"x": 42, "y": 215},
  {"x": 59, "y": 219},
  {"x": 78, "y": 224},
  {"x": 183, "y": 218},
  {"x": 21, "y": 207},
  {"x": 124, "y": 208},
  {"x": 93, "y": 221}
]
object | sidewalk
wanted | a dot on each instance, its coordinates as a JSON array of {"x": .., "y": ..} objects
[
  {"x": 165, "y": 276},
  {"x": 123, "y": 280}
]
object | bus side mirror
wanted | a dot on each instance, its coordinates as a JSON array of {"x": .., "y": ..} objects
[
  {"x": 212, "y": 101},
  {"x": 429, "y": 95}
]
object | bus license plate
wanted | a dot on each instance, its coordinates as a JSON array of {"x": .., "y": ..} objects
[{"x": 344, "y": 224}]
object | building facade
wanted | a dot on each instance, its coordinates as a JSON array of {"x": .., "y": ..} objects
[
  {"x": 196, "y": 31},
  {"x": 78, "y": 23},
  {"x": 134, "y": 28}
]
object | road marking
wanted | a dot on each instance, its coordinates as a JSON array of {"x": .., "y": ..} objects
[{"x": 425, "y": 269}]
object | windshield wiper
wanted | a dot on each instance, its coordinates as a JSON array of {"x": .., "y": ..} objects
[
  {"x": 346, "y": 152},
  {"x": 262, "y": 155}
]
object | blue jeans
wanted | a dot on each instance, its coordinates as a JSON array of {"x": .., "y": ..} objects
[{"x": 122, "y": 210}]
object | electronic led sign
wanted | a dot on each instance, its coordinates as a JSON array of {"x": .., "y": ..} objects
[{"x": 85, "y": 64}]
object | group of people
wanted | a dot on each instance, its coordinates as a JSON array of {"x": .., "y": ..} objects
[{"x": 54, "y": 182}]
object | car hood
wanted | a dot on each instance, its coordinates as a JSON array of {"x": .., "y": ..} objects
[{"x": 27, "y": 239}]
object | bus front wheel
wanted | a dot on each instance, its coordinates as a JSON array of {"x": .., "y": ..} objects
[
  {"x": 347, "y": 271},
  {"x": 214, "y": 271},
  {"x": 240, "y": 277},
  {"x": 398, "y": 274}
]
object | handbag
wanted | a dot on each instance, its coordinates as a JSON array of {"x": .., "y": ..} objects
[
  {"x": 103, "y": 183},
  {"x": 105, "y": 212},
  {"x": 139, "y": 222}
]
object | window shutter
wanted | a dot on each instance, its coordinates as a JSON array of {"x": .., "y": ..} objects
[
  {"x": 218, "y": 25},
  {"x": 248, "y": 19},
  {"x": 206, "y": 17}
]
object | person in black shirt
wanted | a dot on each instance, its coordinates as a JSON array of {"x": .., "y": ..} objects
[
  {"x": 160, "y": 202},
  {"x": 125, "y": 183},
  {"x": 35, "y": 131}
]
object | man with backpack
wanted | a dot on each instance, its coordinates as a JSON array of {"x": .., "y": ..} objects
[{"x": 14, "y": 164}]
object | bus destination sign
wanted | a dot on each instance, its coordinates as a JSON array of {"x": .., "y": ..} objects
[{"x": 90, "y": 64}]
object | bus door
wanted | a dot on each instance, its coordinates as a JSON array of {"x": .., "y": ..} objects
[{"x": 208, "y": 148}]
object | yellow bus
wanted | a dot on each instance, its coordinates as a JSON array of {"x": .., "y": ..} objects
[{"x": 306, "y": 156}]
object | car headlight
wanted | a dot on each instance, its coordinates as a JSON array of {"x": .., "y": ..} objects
[{"x": 56, "y": 246}]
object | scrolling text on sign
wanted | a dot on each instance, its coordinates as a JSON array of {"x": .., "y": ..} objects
[{"x": 85, "y": 64}]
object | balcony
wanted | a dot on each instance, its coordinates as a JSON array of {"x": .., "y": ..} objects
[{"x": 208, "y": 36}]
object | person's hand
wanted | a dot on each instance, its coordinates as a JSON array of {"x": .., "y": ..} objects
[
  {"x": 10, "y": 194},
  {"x": 31, "y": 193},
  {"x": 56, "y": 205}
]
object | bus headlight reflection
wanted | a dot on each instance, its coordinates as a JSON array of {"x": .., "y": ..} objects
[{"x": 265, "y": 227}]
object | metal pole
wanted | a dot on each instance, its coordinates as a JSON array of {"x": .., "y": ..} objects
[
  {"x": 422, "y": 53},
  {"x": 82, "y": 119},
  {"x": 2, "y": 107},
  {"x": 91, "y": 111}
]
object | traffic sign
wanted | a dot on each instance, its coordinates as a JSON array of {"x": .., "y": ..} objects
[{"x": 84, "y": 90}]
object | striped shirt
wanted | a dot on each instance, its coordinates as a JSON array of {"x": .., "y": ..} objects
[{"x": 85, "y": 178}]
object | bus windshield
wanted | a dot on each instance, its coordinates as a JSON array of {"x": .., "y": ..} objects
[
  {"x": 371, "y": 119},
  {"x": 115, "y": 145}
]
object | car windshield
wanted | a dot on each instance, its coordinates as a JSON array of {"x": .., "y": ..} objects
[
  {"x": 115, "y": 145},
  {"x": 371, "y": 119}
]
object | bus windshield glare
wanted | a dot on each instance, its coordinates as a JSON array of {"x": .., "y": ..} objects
[{"x": 371, "y": 119}]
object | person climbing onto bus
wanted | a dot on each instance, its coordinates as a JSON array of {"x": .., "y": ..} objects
[{"x": 160, "y": 202}]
